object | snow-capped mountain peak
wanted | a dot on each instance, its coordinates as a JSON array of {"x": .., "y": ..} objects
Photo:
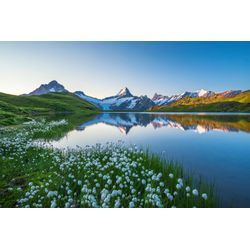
[
  {"x": 202, "y": 92},
  {"x": 124, "y": 92},
  {"x": 51, "y": 87}
]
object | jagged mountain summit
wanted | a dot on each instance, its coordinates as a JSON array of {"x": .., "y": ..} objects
[
  {"x": 51, "y": 87},
  {"x": 124, "y": 93},
  {"x": 204, "y": 93}
]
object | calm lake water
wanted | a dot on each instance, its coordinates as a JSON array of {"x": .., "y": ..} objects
[{"x": 214, "y": 146}]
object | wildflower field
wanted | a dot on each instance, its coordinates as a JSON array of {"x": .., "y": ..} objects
[{"x": 34, "y": 174}]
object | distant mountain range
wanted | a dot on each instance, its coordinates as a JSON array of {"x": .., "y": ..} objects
[{"x": 124, "y": 100}]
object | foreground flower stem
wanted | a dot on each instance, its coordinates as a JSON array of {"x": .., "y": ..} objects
[{"x": 109, "y": 175}]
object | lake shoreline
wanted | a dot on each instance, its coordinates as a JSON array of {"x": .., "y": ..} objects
[
  {"x": 180, "y": 112},
  {"x": 43, "y": 182}
]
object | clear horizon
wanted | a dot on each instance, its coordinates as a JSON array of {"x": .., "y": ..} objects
[{"x": 101, "y": 69}]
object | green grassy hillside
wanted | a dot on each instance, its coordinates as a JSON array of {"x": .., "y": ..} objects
[
  {"x": 14, "y": 109},
  {"x": 216, "y": 103}
]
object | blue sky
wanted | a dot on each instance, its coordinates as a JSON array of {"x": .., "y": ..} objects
[{"x": 102, "y": 68}]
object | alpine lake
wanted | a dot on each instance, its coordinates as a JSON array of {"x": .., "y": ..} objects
[{"x": 213, "y": 146}]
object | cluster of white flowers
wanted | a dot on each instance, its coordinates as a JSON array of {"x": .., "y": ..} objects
[
  {"x": 58, "y": 123},
  {"x": 104, "y": 175},
  {"x": 41, "y": 126}
]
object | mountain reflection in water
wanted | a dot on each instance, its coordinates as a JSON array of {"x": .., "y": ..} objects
[{"x": 200, "y": 123}]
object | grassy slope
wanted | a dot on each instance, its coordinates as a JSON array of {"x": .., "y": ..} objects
[
  {"x": 14, "y": 109},
  {"x": 217, "y": 103}
]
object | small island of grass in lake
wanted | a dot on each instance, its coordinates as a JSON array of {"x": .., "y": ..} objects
[{"x": 34, "y": 174}]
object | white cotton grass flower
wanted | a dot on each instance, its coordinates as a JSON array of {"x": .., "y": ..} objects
[
  {"x": 178, "y": 186},
  {"x": 52, "y": 193},
  {"x": 67, "y": 205},
  {"x": 131, "y": 204},
  {"x": 53, "y": 204},
  {"x": 180, "y": 181},
  {"x": 166, "y": 191},
  {"x": 133, "y": 191},
  {"x": 204, "y": 196},
  {"x": 117, "y": 204},
  {"x": 170, "y": 197},
  {"x": 195, "y": 192},
  {"x": 188, "y": 188},
  {"x": 171, "y": 176}
]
